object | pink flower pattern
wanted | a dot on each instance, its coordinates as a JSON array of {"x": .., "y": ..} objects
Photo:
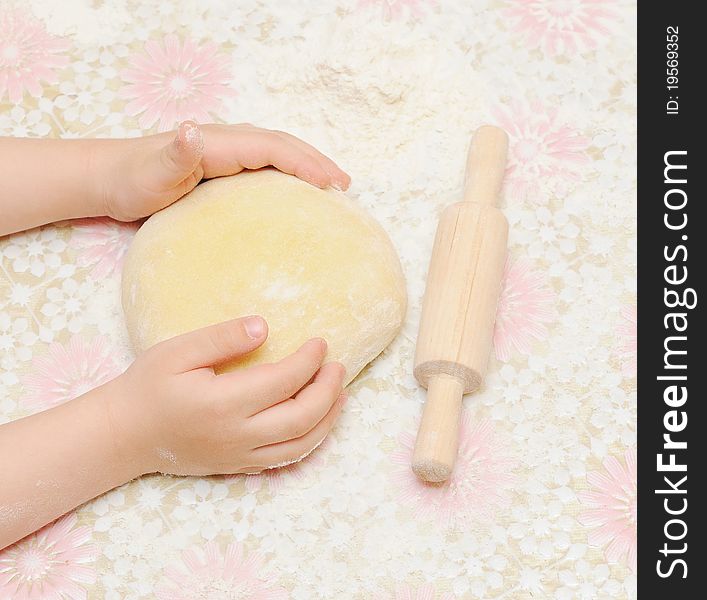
[
  {"x": 561, "y": 26},
  {"x": 479, "y": 485},
  {"x": 28, "y": 55},
  {"x": 526, "y": 304},
  {"x": 53, "y": 563},
  {"x": 612, "y": 508},
  {"x": 210, "y": 574},
  {"x": 102, "y": 244},
  {"x": 540, "y": 148},
  {"x": 176, "y": 80},
  {"x": 67, "y": 371},
  {"x": 628, "y": 340}
]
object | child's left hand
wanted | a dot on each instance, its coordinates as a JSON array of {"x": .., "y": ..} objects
[{"x": 146, "y": 174}]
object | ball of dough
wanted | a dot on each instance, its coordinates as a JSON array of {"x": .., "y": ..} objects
[{"x": 310, "y": 261}]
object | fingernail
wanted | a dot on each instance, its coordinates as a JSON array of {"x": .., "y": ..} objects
[
  {"x": 341, "y": 182},
  {"x": 254, "y": 327},
  {"x": 189, "y": 136}
]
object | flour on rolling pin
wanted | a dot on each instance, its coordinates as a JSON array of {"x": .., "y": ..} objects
[{"x": 459, "y": 307}]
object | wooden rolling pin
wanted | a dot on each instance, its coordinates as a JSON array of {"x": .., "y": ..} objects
[{"x": 459, "y": 307}]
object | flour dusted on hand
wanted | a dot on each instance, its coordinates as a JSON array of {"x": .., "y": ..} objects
[{"x": 310, "y": 261}]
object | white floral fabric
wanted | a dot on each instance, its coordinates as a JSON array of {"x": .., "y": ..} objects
[{"x": 543, "y": 499}]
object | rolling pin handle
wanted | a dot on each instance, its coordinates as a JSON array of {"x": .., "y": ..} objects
[
  {"x": 486, "y": 165},
  {"x": 438, "y": 437}
]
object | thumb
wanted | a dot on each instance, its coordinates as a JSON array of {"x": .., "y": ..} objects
[
  {"x": 177, "y": 160},
  {"x": 215, "y": 344}
]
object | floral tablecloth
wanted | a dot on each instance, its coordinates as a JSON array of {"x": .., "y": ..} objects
[{"x": 543, "y": 500}]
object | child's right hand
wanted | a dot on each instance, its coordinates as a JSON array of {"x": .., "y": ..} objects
[{"x": 170, "y": 412}]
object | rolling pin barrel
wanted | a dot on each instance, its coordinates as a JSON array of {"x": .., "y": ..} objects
[{"x": 459, "y": 307}]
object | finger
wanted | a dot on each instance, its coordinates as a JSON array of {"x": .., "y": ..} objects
[
  {"x": 298, "y": 415},
  {"x": 262, "y": 148},
  {"x": 339, "y": 178},
  {"x": 214, "y": 344},
  {"x": 178, "y": 160},
  {"x": 296, "y": 449},
  {"x": 263, "y": 386}
]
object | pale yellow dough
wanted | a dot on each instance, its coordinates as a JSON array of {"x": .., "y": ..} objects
[{"x": 310, "y": 261}]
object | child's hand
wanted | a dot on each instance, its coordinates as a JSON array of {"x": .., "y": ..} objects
[
  {"x": 146, "y": 174},
  {"x": 172, "y": 414},
  {"x": 168, "y": 412}
]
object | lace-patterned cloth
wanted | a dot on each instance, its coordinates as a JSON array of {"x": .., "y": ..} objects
[{"x": 543, "y": 499}]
